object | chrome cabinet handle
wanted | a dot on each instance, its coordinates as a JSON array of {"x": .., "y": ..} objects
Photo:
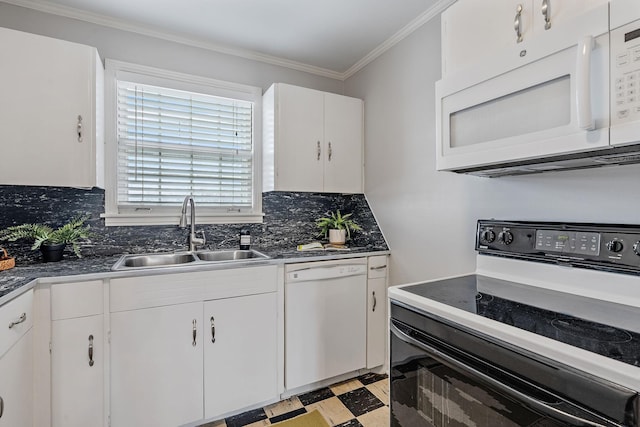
[
  {"x": 213, "y": 330},
  {"x": 375, "y": 301},
  {"x": 517, "y": 23},
  {"x": 1, "y": 406},
  {"x": 91, "y": 362},
  {"x": 330, "y": 151},
  {"x": 79, "y": 128},
  {"x": 195, "y": 331},
  {"x": 546, "y": 11},
  {"x": 380, "y": 267},
  {"x": 21, "y": 319},
  {"x": 319, "y": 151}
]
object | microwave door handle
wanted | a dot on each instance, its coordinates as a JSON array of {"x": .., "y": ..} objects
[
  {"x": 583, "y": 84},
  {"x": 507, "y": 389}
]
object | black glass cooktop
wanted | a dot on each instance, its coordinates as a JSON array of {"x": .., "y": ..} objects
[{"x": 555, "y": 315}]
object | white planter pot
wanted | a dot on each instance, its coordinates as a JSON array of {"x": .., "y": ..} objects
[{"x": 337, "y": 237}]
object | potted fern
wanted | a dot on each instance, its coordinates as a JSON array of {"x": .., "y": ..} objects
[
  {"x": 51, "y": 242},
  {"x": 337, "y": 227}
]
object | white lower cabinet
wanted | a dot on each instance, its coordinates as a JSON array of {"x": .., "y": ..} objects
[
  {"x": 77, "y": 372},
  {"x": 240, "y": 364},
  {"x": 185, "y": 347},
  {"x": 16, "y": 382},
  {"x": 156, "y": 366},
  {"x": 377, "y": 311}
]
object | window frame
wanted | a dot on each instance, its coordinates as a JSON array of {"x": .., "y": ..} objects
[{"x": 169, "y": 215}]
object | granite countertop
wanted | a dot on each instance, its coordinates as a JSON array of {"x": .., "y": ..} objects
[{"x": 17, "y": 280}]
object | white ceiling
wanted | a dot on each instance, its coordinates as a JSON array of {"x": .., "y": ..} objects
[{"x": 330, "y": 37}]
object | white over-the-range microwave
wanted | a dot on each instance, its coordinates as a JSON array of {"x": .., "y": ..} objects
[{"x": 568, "y": 99}]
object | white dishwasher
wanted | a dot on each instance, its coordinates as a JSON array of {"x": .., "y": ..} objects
[{"x": 325, "y": 320}]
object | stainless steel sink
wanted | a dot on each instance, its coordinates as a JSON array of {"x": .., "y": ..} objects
[
  {"x": 154, "y": 260},
  {"x": 127, "y": 262},
  {"x": 229, "y": 255}
]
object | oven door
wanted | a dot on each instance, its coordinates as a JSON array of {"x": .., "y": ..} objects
[
  {"x": 548, "y": 97},
  {"x": 434, "y": 384}
]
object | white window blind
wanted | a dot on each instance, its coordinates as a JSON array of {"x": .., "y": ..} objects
[{"x": 172, "y": 143}]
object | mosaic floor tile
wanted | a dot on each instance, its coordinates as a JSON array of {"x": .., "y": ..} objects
[
  {"x": 345, "y": 386},
  {"x": 315, "y": 396},
  {"x": 376, "y": 418},
  {"x": 288, "y": 415},
  {"x": 284, "y": 406},
  {"x": 360, "y": 401},
  {"x": 246, "y": 418},
  {"x": 381, "y": 390}
]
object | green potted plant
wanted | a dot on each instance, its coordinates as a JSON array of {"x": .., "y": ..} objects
[
  {"x": 51, "y": 242},
  {"x": 337, "y": 227}
]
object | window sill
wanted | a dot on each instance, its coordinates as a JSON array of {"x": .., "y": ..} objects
[{"x": 172, "y": 219}]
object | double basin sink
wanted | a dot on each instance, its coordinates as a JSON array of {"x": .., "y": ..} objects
[{"x": 128, "y": 262}]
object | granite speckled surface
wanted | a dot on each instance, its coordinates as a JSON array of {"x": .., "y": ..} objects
[{"x": 289, "y": 220}]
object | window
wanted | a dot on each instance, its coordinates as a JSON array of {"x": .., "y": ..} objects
[{"x": 170, "y": 135}]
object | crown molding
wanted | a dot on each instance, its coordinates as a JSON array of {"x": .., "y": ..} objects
[
  {"x": 129, "y": 26},
  {"x": 407, "y": 30},
  {"x": 150, "y": 31}
]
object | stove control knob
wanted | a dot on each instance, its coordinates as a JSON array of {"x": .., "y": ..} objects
[
  {"x": 488, "y": 236},
  {"x": 636, "y": 248},
  {"x": 506, "y": 237},
  {"x": 615, "y": 246}
]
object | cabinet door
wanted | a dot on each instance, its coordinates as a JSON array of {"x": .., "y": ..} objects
[
  {"x": 16, "y": 382},
  {"x": 240, "y": 353},
  {"x": 376, "y": 321},
  {"x": 156, "y": 366},
  {"x": 45, "y": 85},
  {"x": 77, "y": 372},
  {"x": 343, "y": 141},
  {"x": 474, "y": 30},
  {"x": 299, "y": 139}
]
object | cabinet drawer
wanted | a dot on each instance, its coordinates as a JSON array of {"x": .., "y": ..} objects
[
  {"x": 12, "y": 327},
  {"x": 378, "y": 266},
  {"x": 70, "y": 300}
]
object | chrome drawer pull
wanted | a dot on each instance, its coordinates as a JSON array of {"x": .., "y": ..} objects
[
  {"x": 546, "y": 11},
  {"x": 195, "y": 331},
  {"x": 380, "y": 267},
  {"x": 91, "y": 362},
  {"x": 375, "y": 301},
  {"x": 213, "y": 330},
  {"x": 21, "y": 319},
  {"x": 1, "y": 406},
  {"x": 517, "y": 23}
]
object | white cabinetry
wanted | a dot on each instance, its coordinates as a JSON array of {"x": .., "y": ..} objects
[
  {"x": 312, "y": 141},
  {"x": 16, "y": 362},
  {"x": 156, "y": 366},
  {"x": 77, "y": 354},
  {"x": 51, "y": 123},
  {"x": 473, "y": 31},
  {"x": 190, "y": 346},
  {"x": 377, "y": 311},
  {"x": 240, "y": 349}
]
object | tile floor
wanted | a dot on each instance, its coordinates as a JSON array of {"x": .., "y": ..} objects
[{"x": 359, "y": 402}]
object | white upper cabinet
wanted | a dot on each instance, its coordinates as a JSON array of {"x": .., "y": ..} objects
[
  {"x": 51, "y": 124},
  {"x": 473, "y": 31},
  {"x": 312, "y": 141}
]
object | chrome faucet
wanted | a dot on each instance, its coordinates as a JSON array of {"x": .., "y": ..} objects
[{"x": 193, "y": 239}]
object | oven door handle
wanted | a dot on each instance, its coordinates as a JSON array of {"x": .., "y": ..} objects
[{"x": 532, "y": 401}]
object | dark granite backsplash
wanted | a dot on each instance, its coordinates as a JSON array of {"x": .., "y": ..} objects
[{"x": 289, "y": 220}]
